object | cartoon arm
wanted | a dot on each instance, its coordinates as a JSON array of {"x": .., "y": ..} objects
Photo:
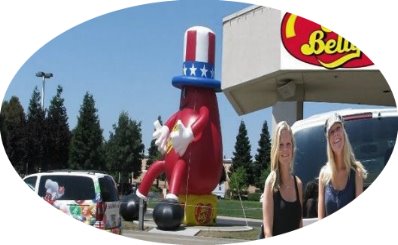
[
  {"x": 183, "y": 136},
  {"x": 200, "y": 123},
  {"x": 161, "y": 133}
]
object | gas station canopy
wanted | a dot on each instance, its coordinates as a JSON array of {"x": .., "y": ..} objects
[{"x": 270, "y": 56}]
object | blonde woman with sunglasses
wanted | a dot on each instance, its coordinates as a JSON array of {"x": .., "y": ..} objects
[{"x": 341, "y": 178}]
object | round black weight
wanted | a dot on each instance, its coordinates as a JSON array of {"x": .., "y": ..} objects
[
  {"x": 129, "y": 207},
  {"x": 168, "y": 215}
]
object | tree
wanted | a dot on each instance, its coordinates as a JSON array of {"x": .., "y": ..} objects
[
  {"x": 3, "y": 126},
  {"x": 223, "y": 177},
  {"x": 125, "y": 149},
  {"x": 262, "y": 158},
  {"x": 36, "y": 132},
  {"x": 153, "y": 155},
  {"x": 13, "y": 134},
  {"x": 238, "y": 181},
  {"x": 87, "y": 144},
  {"x": 58, "y": 138},
  {"x": 241, "y": 155}
]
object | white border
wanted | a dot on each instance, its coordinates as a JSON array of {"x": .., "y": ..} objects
[{"x": 27, "y": 25}]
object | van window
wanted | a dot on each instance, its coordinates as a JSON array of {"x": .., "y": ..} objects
[
  {"x": 74, "y": 187},
  {"x": 108, "y": 189},
  {"x": 372, "y": 141},
  {"x": 31, "y": 182},
  {"x": 310, "y": 154}
]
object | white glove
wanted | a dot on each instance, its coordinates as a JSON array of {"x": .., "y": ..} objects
[
  {"x": 161, "y": 133},
  {"x": 181, "y": 137}
]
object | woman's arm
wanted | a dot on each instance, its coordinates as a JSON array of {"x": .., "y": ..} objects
[
  {"x": 268, "y": 208},
  {"x": 358, "y": 182},
  {"x": 300, "y": 190},
  {"x": 321, "y": 197}
]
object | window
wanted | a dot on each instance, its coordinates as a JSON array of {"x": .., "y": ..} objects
[
  {"x": 310, "y": 154},
  {"x": 75, "y": 187},
  {"x": 31, "y": 182},
  {"x": 108, "y": 189},
  {"x": 372, "y": 141}
]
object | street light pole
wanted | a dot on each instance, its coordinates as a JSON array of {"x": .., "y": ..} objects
[{"x": 43, "y": 75}]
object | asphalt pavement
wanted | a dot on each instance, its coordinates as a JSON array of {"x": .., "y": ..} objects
[
  {"x": 187, "y": 234},
  {"x": 168, "y": 238}
]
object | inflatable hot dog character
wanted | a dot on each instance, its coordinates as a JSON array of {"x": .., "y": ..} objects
[{"x": 190, "y": 139}]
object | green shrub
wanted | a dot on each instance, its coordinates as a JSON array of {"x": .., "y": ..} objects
[
  {"x": 254, "y": 196},
  {"x": 155, "y": 189}
]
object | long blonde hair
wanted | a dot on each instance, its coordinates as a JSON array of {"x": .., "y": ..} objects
[
  {"x": 350, "y": 162},
  {"x": 275, "y": 173}
]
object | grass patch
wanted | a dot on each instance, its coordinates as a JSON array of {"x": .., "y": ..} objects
[{"x": 232, "y": 208}]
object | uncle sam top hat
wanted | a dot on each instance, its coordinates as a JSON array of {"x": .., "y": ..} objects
[{"x": 199, "y": 56}]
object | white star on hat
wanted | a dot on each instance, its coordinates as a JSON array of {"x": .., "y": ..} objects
[
  {"x": 212, "y": 73},
  {"x": 204, "y": 71},
  {"x": 193, "y": 70}
]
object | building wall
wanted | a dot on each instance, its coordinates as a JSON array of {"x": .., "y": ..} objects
[{"x": 258, "y": 29}]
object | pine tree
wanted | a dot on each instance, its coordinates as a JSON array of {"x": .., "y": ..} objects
[
  {"x": 241, "y": 155},
  {"x": 262, "y": 158},
  {"x": 35, "y": 134},
  {"x": 87, "y": 145},
  {"x": 3, "y": 125},
  {"x": 153, "y": 152},
  {"x": 13, "y": 134},
  {"x": 125, "y": 149},
  {"x": 3, "y": 128},
  {"x": 58, "y": 138}
]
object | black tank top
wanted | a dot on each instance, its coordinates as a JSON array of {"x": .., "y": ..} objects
[{"x": 287, "y": 215}]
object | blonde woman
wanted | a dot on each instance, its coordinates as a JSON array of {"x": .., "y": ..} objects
[
  {"x": 341, "y": 179},
  {"x": 282, "y": 203}
]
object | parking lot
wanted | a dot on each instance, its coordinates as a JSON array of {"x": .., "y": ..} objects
[
  {"x": 189, "y": 235},
  {"x": 177, "y": 239}
]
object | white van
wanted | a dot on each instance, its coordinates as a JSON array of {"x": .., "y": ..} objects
[
  {"x": 372, "y": 133},
  {"x": 90, "y": 197},
  {"x": 219, "y": 191}
]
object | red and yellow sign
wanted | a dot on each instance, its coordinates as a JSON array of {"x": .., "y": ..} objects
[
  {"x": 317, "y": 45},
  {"x": 199, "y": 209}
]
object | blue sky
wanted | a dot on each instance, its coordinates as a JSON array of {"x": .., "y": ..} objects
[{"x": 126, "y": 60}]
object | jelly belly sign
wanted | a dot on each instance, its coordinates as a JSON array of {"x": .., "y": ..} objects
[{"x": 316, "y": 45}]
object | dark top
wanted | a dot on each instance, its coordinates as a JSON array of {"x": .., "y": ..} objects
[
  {"x": 287, "y": 215},
  {"x": 335, "y": 199},
  {"x": 310, "y": 209}
]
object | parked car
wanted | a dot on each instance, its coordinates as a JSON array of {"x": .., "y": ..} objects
[
  {"x": 219, "y": 191},
  {"x": 372, "y": 133},
  {"x": 90, "y": 197}
]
